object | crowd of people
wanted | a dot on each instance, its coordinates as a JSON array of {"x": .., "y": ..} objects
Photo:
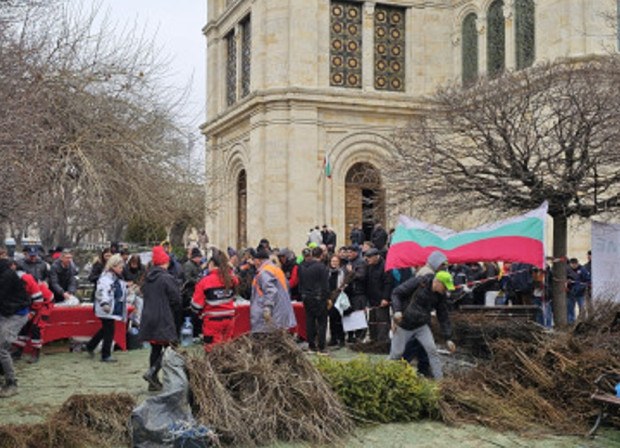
[{"x": 331, "y": 282}]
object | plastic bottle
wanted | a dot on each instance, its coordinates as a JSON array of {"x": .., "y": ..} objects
[
  {"x": 618, "y": 389},
  {"x": 187, "y": 333}
]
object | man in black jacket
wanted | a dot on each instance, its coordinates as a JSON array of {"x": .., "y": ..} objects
[
  {"x": 413, "y": 302},
  {"x": 62, "y": 277},
  {"x": 314, "y": 290},
  {"x": 14, "y": 308},
  {"x": 378, "y": 291}
]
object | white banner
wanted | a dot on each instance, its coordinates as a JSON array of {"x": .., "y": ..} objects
[{"x": 605, "y": 261}]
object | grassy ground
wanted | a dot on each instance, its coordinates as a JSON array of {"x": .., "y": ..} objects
[{"x": 44, "y": 386}]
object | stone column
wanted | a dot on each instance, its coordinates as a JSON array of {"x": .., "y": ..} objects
[
  {"x": 481, "y": 26},
  {"x": 511, "y": 56},
  {"x": 368, "y": 46}
]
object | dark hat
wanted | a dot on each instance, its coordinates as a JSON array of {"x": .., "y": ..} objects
[
  {"x": 196, "y": 253},
  {"x": 32, "y": 251},
  {"x": 354, "y": 247},
  {"x": 372, "y": 252},
  {"x": 231, "y": 251},
  {"x": 261, "y": 253}
]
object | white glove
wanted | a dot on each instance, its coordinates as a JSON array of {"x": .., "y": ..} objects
[
  {"x": 451, "y": 346},
  {"x": 106, "y": 308},
  {"x": 267, "y": 315},
  {"x": 398, "y": 317}
]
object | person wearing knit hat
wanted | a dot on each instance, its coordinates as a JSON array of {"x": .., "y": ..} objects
[
  {"x": 162, "y": 305},
  {"x": 160, "y": 257}
]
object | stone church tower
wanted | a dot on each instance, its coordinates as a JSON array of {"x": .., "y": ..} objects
[{"x": 290, "y": 82}]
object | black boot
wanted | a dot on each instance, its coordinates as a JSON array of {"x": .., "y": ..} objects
[
  {"x": 35, "y": 356},
  {"x": 17, "y": 353},
  {"x": 9, "y": 389},
  {"x": 150, "y": 376}
]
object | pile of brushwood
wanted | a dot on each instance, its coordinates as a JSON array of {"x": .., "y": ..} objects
[
  {"x": 531, "y": 377},
  {"x": 260, "y": 389},
  {"x": 82, "y": 421}
]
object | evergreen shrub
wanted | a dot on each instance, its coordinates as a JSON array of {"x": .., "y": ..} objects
[{"x": 382, "y": 391}]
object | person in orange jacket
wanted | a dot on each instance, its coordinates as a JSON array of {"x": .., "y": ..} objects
[{"x": 213, "y": 301}]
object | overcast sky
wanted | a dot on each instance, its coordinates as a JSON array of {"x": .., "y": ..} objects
[{"x": 177, "y": 27}]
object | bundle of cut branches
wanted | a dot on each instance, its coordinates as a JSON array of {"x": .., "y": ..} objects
[
  {"x": 545, "y": 381},
  {"x": 82, "y": 421},
  {"x": 256, "y": 390}
]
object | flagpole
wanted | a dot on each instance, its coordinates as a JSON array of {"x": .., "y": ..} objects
[{"x": 325, "y": 192}]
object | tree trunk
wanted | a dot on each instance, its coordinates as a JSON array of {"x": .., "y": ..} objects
[
  {"x": 177, "y": 231},
  {"x": 560, "y": 226}
]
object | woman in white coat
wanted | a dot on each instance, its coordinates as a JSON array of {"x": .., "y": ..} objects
[{"x": 110, "y": 306}]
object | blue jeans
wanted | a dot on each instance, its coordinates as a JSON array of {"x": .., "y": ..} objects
[
  {"x": 544, "y": 316},
  {"x": 571, "y": 301}
]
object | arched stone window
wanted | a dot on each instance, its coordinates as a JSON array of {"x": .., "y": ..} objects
[
  {"x": 469, "y": 50},
  {"x": 525, "y": 33},
  {"x": 496, "y": 39}
]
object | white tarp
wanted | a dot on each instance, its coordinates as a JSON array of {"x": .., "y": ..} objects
[{"x": 605, "y": 261}]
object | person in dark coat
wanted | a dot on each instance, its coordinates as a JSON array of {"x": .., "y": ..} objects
[
  {"x": 413, "y": 302},
  {"x": 14, "y": 308},
  {"x": 356, "y": 278},
  {"x": 97, "y": 269},
  {"x": 379, "y": 237},
  {"x": 62, "y": 277},
  {"x": 313, "y": 287},
  {"x": 162, "y": 302},
  {"x": 378, "y": 291}
]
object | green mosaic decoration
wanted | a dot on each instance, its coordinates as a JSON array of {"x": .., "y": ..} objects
[
  {"x": 469, "y": 50},
  {"x": 496, "y": 39},
  {"x": 345, "y": 69},
  {"x": 525, "y": 33},
  {"x": 389, "y": 48}
]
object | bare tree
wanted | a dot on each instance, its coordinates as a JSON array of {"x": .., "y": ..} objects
[
  {"x": 87, "y": 126},
  {"x": 547, "y": 133}
]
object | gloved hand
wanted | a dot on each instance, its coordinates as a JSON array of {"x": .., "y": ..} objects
[
  {"x": 398, "y": 317},
  {"x": 106, "y": 308},
  {"x": 267, "y": 315},
  {"x": 451, "y": 346}
]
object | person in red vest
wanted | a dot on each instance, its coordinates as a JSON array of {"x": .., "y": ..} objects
[
  {"x": 213, "y": 301},
  {"x": 30, "y": 338}
]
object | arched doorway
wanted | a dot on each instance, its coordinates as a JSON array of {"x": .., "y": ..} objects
[
  {"x": 242, "y": 210},
  {"x": 364, "y": 198}
]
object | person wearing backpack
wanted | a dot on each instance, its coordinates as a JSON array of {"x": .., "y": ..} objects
[{"x": 413, "y": 302}]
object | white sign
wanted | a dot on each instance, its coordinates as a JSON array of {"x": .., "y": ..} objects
[
  {"x": 354, "y": 321},
  {"x": 605, "y": 261}
]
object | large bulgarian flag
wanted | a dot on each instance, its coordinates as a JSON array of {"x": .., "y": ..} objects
[{"x": 520, "y": 239}]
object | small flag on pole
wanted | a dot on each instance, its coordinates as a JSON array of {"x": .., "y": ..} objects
[{"x": 327, "y": 165}]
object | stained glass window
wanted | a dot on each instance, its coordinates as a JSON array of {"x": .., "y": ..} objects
[
  {"x": 231, "y": 68},
  {"x": 345, "y": 44},
  {"x": 496, "y": 41},
  {"x": 524, "y": 29},
  {"x": 389, "y": 48},
  {"x": 246, "y": 55},
  {"x": 469, "y": 50}
]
